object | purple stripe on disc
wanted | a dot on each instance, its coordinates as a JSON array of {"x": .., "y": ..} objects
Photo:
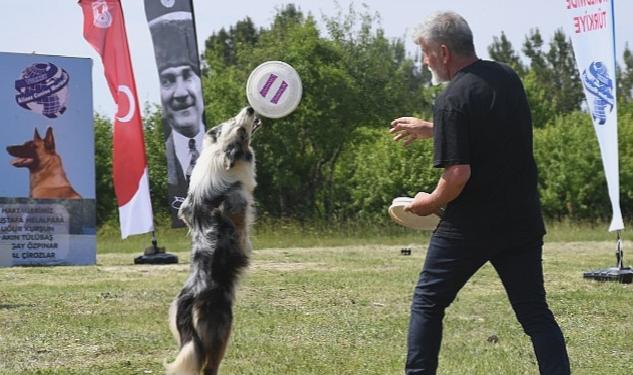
[
  {"x": 269, "y": 83},
  {"x": 280, "y": 91}
]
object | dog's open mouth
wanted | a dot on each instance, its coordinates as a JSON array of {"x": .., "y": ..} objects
[
  {"x": 256, "y": 125},
  {"x": 22, "y": 162},
  {"x": 22, "y": 157}
]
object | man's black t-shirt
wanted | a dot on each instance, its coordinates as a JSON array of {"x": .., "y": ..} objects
[{"x": 483, "y": 119}]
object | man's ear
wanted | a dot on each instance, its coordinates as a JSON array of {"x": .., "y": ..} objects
[{"x": 445, "y": 53}]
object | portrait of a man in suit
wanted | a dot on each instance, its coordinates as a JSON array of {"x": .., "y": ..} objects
[{"x": 182, "y": 102}]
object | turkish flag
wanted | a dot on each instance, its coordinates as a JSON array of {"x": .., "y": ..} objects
[{"x": 104, "y": 29}]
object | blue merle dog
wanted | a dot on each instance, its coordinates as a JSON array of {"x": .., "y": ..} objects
[{"x": 218, "y": 210}]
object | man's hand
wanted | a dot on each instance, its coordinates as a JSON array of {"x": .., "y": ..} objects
[
  {"x": 410, "y": 128},
  {"x": 448, "y": 188},
  {"x": 422, "y": 205}
]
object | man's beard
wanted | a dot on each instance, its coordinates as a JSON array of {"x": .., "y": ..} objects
[{"x": 435, "y": 78}]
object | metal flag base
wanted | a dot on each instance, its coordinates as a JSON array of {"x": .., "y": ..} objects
[
  {"x": 619, "y": 273},
  {"x": 155, "y": 255}
]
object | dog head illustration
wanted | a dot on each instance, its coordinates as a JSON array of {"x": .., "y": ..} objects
[
  {"x": 32, "y": 153},
  {"x": 233, "y": 137}
]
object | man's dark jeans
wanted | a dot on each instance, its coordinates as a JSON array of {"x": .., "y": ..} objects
[{"x": 448, "y": 266}]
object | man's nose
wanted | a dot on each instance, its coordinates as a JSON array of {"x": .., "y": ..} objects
[{"x": 180, "y": 89}]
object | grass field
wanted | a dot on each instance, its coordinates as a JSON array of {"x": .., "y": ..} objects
[{"x": 323, "y": 309}]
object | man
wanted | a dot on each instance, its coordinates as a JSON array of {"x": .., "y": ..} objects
[
  {"x": 482, "y": 137},
  {"x": 181, "y": 98}
]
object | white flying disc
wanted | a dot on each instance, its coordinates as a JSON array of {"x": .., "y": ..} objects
[
  {"x": 274, "y": 89},
  {"x": 411, "y": 220}
]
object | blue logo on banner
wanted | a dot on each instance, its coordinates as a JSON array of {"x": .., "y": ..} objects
[
  {"x": 598, "y": 83},
  {"x": 43, "y": 88}
]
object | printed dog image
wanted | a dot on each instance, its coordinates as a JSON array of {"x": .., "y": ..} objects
[
  {"x": 218, "y": 209},
  {"x": 46, "y": 173}
]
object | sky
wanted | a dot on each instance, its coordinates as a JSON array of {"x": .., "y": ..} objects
[{"x": 54, "y": 27}]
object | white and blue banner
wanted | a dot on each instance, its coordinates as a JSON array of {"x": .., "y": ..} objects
[
  {"x": 47, "y": 189},
  {"x": 591, "y": 24}
]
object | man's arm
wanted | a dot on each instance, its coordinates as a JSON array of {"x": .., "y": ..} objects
[{"x": 448, "y": 188}]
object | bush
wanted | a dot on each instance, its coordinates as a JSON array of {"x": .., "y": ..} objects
[
  {"x": 378, "y": 170},
  {"x": 571, "y": 176}
]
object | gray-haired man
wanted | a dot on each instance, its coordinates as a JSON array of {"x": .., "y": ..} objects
[{"x": 482, "y": 137}]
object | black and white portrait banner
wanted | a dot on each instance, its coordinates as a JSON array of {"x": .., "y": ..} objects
[{"x": 171, "y": 24}]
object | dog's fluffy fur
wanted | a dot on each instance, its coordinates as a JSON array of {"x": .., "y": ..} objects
[{"x": 218, "y": 211}]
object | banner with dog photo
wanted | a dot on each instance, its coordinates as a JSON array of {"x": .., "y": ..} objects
[
  {"x": 47, "y": 191},
  {"x": 171, "y": 24}
]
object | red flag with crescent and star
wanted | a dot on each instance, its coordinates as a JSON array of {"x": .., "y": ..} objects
[{"x": 104, "y": 29}]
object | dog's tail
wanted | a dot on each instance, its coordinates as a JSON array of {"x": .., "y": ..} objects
[{"x": 186, "y": 363}]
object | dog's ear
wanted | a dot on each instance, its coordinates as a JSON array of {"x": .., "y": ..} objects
[
  {"x": 231, "y": 155},
  {"x": 36, "y": 136},
  {"x": 236, "y": 151},
  {"x": 229, "y": 158},
  {"x": 214, "y": 133},
  {"x": 49, "y": 140}
]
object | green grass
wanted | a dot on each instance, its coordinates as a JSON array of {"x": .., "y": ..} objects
[
  {"x": 312, "y": 310},
  {"x": 269, "y": 234}
]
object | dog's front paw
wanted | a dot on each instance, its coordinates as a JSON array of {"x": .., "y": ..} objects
[{"x": 185, "y": 212}]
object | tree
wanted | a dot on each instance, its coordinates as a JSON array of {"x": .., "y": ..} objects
[
  {"x": 156, "y": 158},
  {"x": 390, "y": 82},
  {"x": 564, "y": 78},
  {"x": 356, "y": 78},
  {"x": 501, "y": 50},
  {"x": 106, "y": 202},
  {"x": 555, "y": 71},
  {"x": 224, "y": 45},
  {"x": 571, "y": 178},
  {"x": 532, "y": 47},
  {"x": 625, "y": 76},
  {"x": 542, "y": 108}
]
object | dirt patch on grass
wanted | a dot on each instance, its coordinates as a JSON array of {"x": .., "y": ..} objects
[
  {"x": 286, "y": 266},
  {"x": 145, "y": 268}
]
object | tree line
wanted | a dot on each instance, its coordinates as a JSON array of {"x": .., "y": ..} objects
[{"x": 333, "y": 159}]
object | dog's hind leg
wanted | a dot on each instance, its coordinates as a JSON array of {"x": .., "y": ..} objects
[
  {"x": 188, "y": 361},
  {"x": 218, "y": 349},
  {"x": 213, "y": 326}
]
